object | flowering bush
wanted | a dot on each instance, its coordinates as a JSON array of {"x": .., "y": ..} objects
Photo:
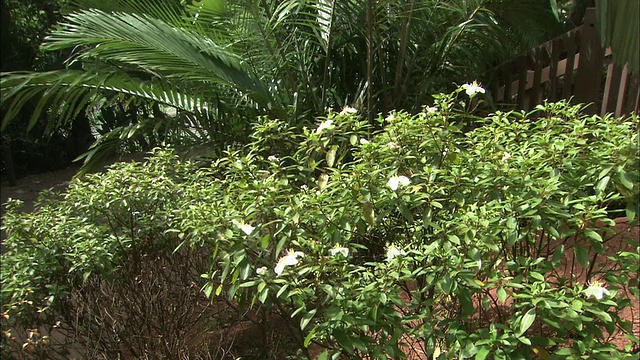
[{"x": 421, "y": 237}]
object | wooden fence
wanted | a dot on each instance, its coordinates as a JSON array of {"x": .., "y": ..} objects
[{"x": 573, "y": 65}]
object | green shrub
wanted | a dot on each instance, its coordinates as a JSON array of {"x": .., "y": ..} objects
[
  {"x": 96, "y": 273},
  {"x": 418, "y": 238}
]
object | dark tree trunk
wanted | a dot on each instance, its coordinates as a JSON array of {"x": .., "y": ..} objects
[
  {"x": 579, "y": 9},
  {"x": 81, "y": 136},
  {"x": 7, "y": 158}
]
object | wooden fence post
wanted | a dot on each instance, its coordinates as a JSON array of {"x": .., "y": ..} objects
[
  {"x": 590, "y": 67},
  {"x": 573, "y": 65}
]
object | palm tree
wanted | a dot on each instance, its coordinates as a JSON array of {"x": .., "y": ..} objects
[
  {"x": 223, "y": 64},
  {"x": 392, "y": 54}
]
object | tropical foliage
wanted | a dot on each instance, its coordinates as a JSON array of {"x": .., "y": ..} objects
[
  {"x": 220, "y": 64},
  {"x": 24, "y": 26},
  {"x": 445, "y": 234}
]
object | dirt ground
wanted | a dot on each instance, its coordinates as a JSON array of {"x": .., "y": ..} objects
[{"x": 29, "y": 187}]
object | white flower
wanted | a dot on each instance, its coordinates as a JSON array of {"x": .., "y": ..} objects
[
  {"x": 506, "y": 156},
  {"x": 393, "y": 251},
  {"x": 246, "y": 228},
  {"x": 390, "y": 118},
  {"x": 324, "y": 125},
  {"x": 395, "y": 181},
  {"x": 364, "y": 141},
  {"x": 304, "y": 187},
  {"x": 473, "y": 88},
  {"x": 431, "y": 109},
  {"x": 272, "y": 158},
  {"x": 290, "y": 259},
  {"x": 348, "y": 110},
  {"x": 261, "y": 270},
  {"x": 596, "y": 291},
  {"x": 392, "y": 145},
  {"x": 339, "y": 250}
]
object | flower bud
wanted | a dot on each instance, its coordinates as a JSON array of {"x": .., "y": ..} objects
[
  {"x": 331, "y": 157},
  {"x": 369, "y": 213}
]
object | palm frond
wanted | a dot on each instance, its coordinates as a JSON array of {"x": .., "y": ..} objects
[
  {"x": 155, "y": 47},
  {"x": 171, "y": 11},
  {"x": 64, "y": 93}
]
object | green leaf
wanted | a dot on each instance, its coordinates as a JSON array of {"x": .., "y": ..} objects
[
  {"x": 404, "y": 210},
  {"x": 536, "y": 276},
  {"x": 306, "y": 318},
  {"x": 466, "y": 301},
  {"x": 554, "y": 323},
  {"x": 207, "y": 289},
  {"x": 558, "y": 254},
  {"x": 454, "y": 239},
  {"x": 310, "y": 336},
  {"x": 264, "y": 293},
  {"x": 502, "y": 295},
  {"x": 265, "y": 241},
  {"x": 469, "y": 350},
  {"x": 631, "y": 212},
  {"x": 383, "y": 298},
  {"x": 353, "y": 140},
  {"x": 593, "y": 235},
  {"x": 577, "y": 304},
  {"x": 524, "y": 340},
  {"x": 582, "y": 254},
  {"x": 482, "y": 353},
  {"x": 564, "y": 351},
  {"x": 344, "y": 340},
  {"x": 602, "y": 184},
  {"x": 602, "y": 315},
  {"x": 446, "y": 283},
  {"x": 359, "y": 344},
  {"x": 552, "y": 231},
  {"x": 554, "y": 9},
  {"x": 282, "y": 290},
  {"x": 251, "y": 283},
  {"x": 526, "y": 321},
  {"x": 626, "y": 179},
  {"x": 280, "y": 244}
]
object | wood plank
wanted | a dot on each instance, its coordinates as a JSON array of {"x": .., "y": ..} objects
[
  {"x": 634, "y": 93},
  {"x": 552, "y": 72},
  {"x": 508, "y": 93},
  {"x": 576, "y": 56},
  {"x": 636, "y": 108},
  {"x": 522, "y": 80},
  {"x": 611, "y": 89},
  {"x": 622, "y": 89},
  {"x": 588, "y": 79},
  {"x": 536, "y": 89},
  {"x": 561, "y": 69},
  {"x": 572, "y": 62}
]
